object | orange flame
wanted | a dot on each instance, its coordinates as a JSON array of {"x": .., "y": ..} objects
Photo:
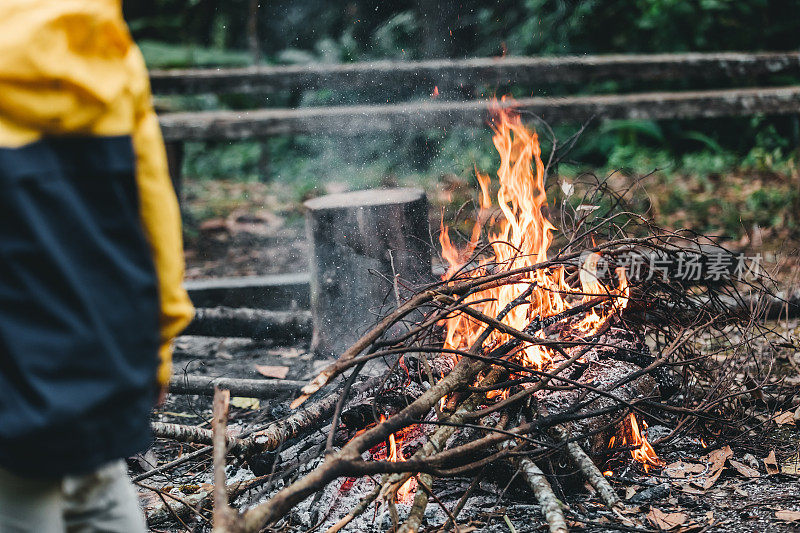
[
  {"x": 406, "y": 491},
  {"x": 522, "y": 238},
  {"x": 633, "y": 435}
]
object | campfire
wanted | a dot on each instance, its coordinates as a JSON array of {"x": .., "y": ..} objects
[{"x": 540, "y": 357}]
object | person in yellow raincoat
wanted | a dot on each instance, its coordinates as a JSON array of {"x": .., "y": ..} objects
[{"x": 91, "y": 266}]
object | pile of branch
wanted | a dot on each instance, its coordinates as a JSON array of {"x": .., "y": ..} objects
[{"x": 477, "y": 408}]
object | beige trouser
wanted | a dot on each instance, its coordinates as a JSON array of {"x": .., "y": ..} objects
[{"x": 102, "y": 501}]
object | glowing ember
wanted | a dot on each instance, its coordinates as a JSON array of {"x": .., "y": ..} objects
[
  {"x": 633, "y": 435},
  {"x": 521, "y": 238}
]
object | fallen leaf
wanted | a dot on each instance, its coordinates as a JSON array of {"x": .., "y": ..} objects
[
  {"x": 710, "y": 518},
  {"x": 743, "y": 469},
  {"x": 785, "y": 418},
  {"x": 788, "y": 516},
  {"x": 666, "y": 521},
  {"x": 277, "y": 372},
  {"x": 718, "y": 457},
  {"x": 245, "y": 403},
  {"x": 629, "y": 492},
  {"x": 716, "y": 464},
  {"x": 682, "y": 469},
  {"x": 771, "y": 463}
]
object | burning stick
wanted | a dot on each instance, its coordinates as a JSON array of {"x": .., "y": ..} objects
[
  {"x": 632, "y": 435},
  {"x": 344, "y": 461},
  {"x": 336, "y": 465},
  {"x": 436, "y": 441}
]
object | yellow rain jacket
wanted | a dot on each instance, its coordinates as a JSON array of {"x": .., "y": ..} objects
[{"x": 91, "y": 258}]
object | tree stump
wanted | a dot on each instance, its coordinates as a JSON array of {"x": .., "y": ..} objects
[{"x": 365, "y": 247}]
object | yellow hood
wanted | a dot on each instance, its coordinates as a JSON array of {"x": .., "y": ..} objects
[{"x": 65, "y": 67}]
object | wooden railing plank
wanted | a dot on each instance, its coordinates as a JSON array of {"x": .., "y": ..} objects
[
  {"x": 475, "y": 72},
  {"x": 354, "y": 120},
  {"x": 276, "y": 291}
]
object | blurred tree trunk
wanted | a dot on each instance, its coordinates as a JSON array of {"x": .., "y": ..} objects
[
  {"x": 436, "y": 21},
  {"x": 203, "y": 15},
  {"x": 252, "y": 31},
  {"x": 237, "y": 23}
]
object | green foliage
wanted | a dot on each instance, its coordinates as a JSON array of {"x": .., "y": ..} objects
[
  {"x": 769, "y": 205},
  {"x": 396, "y": 37},
  {"x": 708, "y": 162},
  {"x": 632, "y": 131},
  {"x": 710, "y": 172},
  {"x": 557, "y": 27},
  {"x": 400, "y": 28},
  {"x": 159, "y": 54}
]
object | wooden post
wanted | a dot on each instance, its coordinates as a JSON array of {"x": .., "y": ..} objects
[
  {"x": 175, "y": 164},
  {"x": 366, "y": 245},
  {"x": 252, "y": 32}
]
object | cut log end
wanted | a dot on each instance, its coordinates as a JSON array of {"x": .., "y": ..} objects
[{"x": 363, "y": 243}]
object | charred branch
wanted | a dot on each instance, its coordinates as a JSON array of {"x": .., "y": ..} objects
[{"x": 250, "y": 388}]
